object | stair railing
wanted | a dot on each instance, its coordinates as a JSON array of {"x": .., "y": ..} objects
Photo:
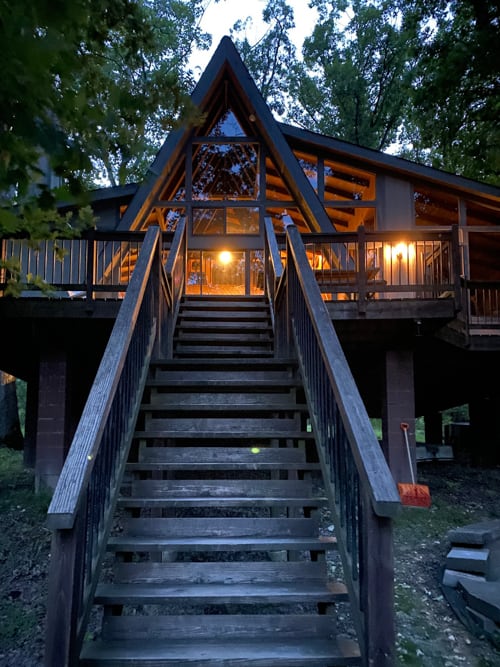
[
  {"x": 175, "y": 269},
  {"x": 362, "y": 493},
  {"x": 82, "y": 507},
  {"x": 273, "y": 266}
]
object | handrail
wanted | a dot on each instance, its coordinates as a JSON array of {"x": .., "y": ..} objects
[
  {"x": 363, "y": 495},
  {"x": 175, "y": 279},
  {"x": 82, "y": 506},
  {"x": 273, "y": 265},
  {"x": 174, "y": 266}
]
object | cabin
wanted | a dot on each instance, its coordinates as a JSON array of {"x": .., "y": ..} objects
[{"x": 211, "y": 355}]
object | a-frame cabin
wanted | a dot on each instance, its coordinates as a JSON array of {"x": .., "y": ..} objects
[{"x": 237, "y": 319}]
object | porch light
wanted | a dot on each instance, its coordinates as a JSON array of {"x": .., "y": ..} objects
[
  {"x": 401, "y": 252},
  {"x": 225, "y": 257}
]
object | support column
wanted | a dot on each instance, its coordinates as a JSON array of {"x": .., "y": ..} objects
[
  {"x": 51, "y": 441},
  {"x": 399, "y": 407},
  {"x": 31, "y": 421},
  {"x": 10, "y": 431}
]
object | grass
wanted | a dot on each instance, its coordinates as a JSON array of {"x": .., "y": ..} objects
[{"x": 22, "y": 513}]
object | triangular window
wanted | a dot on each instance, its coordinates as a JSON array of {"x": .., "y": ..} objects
[{"x": 227, "y": 126}]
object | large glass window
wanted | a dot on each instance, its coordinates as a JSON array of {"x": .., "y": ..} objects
[
  {"x": 231, "y": 220},
  {"x": 434, "y": 208},
  {"x": 348, "y": 219},
  {"x": 343, "y": 183},
  {"x": 481, "y": 216},
  {"x": 309, "y": 164},
  {"x": 225, "y": 171}
]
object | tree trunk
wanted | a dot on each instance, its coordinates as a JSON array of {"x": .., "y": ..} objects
[{"x": 10, "y": 428}]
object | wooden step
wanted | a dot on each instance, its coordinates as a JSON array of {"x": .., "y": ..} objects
[
  {"x": 256, "y": 436},
  {"x": 156, "y": 543},
  {"x": 220, "y": 488},
  {"x": 226, "y": 364},
  {"x": 217, "y": 626},
  {"x": 222, "y": 350},
  {"x": 225, "y": 573},
  {"x": 231, "y": 380},
  {"x": 231, "y": 303},
  {"x": 222, "y": 400},
  {"x": 217, "y": 594},
  {"x": 217, "y": 337},
  {"x": 225, "y": 325},
  {"x": 225, "y": 425},
  {"x": 215, "y": 314},
  {"x": 225, "y": 527},
  {"x": 222, "y": 653},
  {"x": 225, "y": 458},
  {"x": 231, "y": 502}
]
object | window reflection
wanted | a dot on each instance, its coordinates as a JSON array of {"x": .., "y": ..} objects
[
  {"x": 231, "y": 220},
  {"x": 208, "y": 221},
  {"x": 346, "y": 183},
  {"x": 309, "y": 165},
  {"x": 227, "y": 126},
  {"x": 348, "y": 219},
  {"x": 225, "y": 171},
  {"x": 433, "y": 208}
]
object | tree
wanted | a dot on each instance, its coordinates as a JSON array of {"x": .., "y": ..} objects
[
  {"x": 455, "y": 122},
  {"x": 85, "y": 84},
  {"x": 144, "y": 94},
  {"x": 356, "y": 73},
  {"x": 270, "y": 58}
]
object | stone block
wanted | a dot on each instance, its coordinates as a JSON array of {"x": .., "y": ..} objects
[
  {"x": 476, "y": 533},
  {"x": 468, "y": 560},
  {"x": 452, "y": 577}
]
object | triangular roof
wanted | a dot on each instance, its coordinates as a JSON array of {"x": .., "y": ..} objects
[
  {"x": 226, "y": 76},
  {"x": 226, "y": 66}
]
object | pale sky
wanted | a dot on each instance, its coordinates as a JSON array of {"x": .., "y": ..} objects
[{"x": 220, "y": 17}]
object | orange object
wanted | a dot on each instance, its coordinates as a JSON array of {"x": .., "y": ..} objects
[{"x": 413, "y": 495}]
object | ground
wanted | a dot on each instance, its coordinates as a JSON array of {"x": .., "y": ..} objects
[{"x": 429, "y": 634}]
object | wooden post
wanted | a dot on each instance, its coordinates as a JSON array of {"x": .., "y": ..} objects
[
  {"x": 377, "y": 589},
  {"x": 62, "y": 614},
  {"x": 90, "y": 265},
  {"x": 361, "y": 270}
]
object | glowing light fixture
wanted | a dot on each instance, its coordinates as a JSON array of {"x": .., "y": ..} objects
[
  {"x": 225, "y": 257},
  {"x": 401, "y": 252}
]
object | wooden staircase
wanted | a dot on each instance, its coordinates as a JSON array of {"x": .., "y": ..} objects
[{"x": 218, "y": 557}]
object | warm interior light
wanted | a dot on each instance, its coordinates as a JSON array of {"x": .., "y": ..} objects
[
  {"x": 400, "y": 251},
  {"x": 225, "y": 257}
]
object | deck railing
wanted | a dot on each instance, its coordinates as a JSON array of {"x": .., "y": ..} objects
[
  {"x": 96, "y": 265},
  {"x": 480, "y": 280},
  {"x": 361, "y": 266},
  {"x": 363, "y": 495},
  {"x": 82, "y": 506}
]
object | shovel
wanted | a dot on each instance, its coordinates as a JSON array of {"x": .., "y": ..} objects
[{"x": 413, "y": 495}]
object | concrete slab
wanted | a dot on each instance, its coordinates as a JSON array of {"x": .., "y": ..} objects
[
  {"x": 468, "y": 560},
  {"x": 483, "y": 597},
  {"x": 452, "y": 577},
  {"x": 476, "y": 533}
]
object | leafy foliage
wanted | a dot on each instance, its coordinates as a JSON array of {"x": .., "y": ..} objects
[
  {"x": 418, "y": 77},
  {"x": 87, "y": 86},
  {"x": 456, "y": 97},
  {"x": 355, "y": 77},
  {"x": 269, "y": 60}
]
